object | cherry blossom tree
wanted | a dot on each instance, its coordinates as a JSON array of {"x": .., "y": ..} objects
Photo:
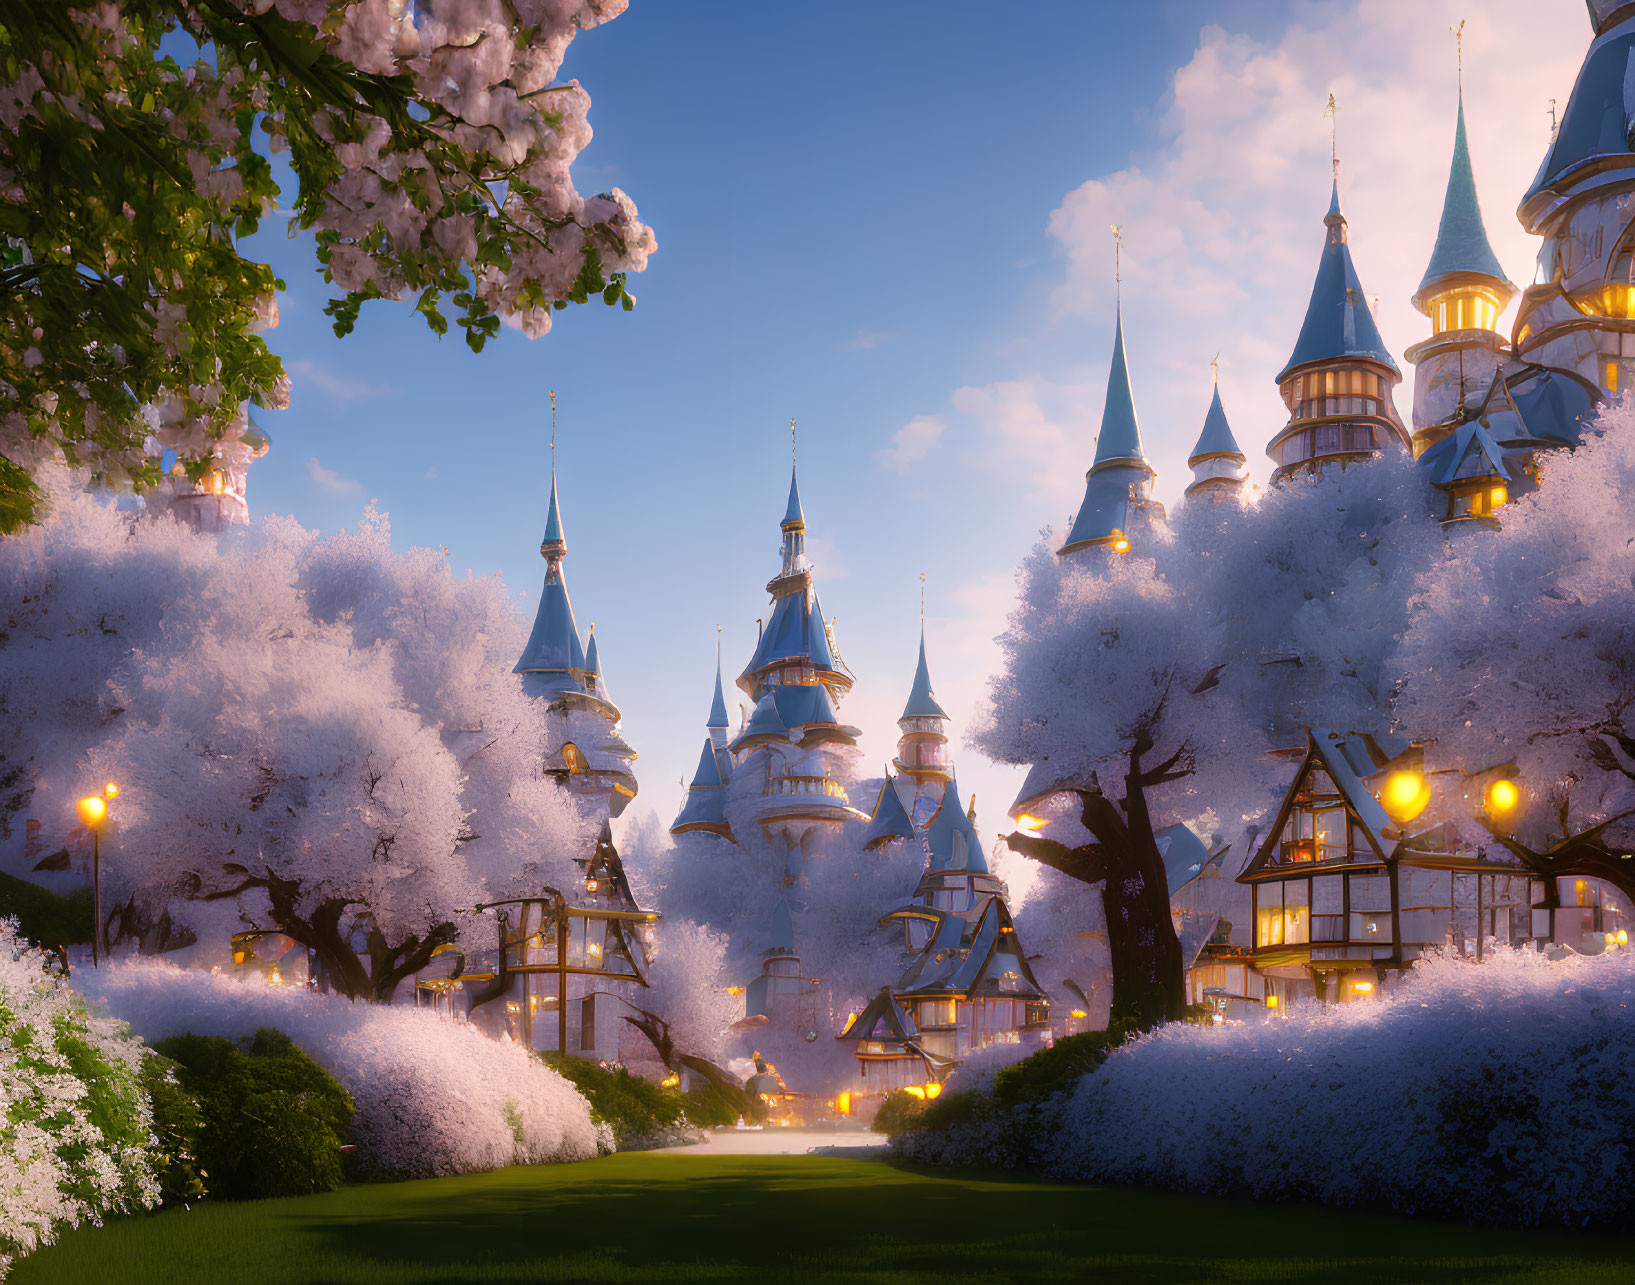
[
  {"x": 1148, "y": 689},
  {"x": 1521, "y": 651},
  {"x": 319, "y": 733},
  {"x": 432, "y": 146}
]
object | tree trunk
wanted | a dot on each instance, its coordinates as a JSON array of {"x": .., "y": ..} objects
[{"x": 1149, "y": 978}]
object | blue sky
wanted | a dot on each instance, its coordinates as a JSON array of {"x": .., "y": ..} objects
[{"x": 889, "y": 221}]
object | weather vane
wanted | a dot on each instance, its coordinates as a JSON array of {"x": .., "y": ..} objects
[
  {"x": 1332, "y": 111},
  {"x": 1552, "y": 120},
  {"x": 922, "y": 600},
  {"x": 1215, "y": 366},
  {"x": 1459, "y": 40},
  {"x": 793, "y": 458},
  {"x": 553, "y": 432},
  {"x": 1118, "y": 266}
]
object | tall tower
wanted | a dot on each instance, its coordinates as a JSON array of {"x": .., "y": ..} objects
[
  {"x": 922, "y": 749},
  {"x": 1216, "y": 461},
  {"x": 1579, "y": 315},
  {"x": 1118, "y": 487},
  {"x": 1339, "y": 379},
  {"x": 1463, "y": 292},
  {"x": 584, "y": 748},
  {"x": 795, "y": 740}
]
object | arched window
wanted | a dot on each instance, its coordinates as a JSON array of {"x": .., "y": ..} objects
[{"x": 575, "y": 760}]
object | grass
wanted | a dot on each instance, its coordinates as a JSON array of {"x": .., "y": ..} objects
[{"x": 674, "y": 1217}]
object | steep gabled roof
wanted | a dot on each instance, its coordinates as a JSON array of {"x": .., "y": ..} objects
[
  {"x": 1338, "y": 323},
  {"x": 1341, "y": 758},
  {"x": 706, "y": 805},
  {"x": 884, "y": 1019},
  {"x": 1445, "y": 461}
]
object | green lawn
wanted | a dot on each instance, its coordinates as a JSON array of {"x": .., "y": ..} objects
[{"x": 776, "y": 1219}]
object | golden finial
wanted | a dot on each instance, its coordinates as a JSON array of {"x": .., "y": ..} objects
[
  {"x": 1553, "y": 121},
  {"x": 1117, "y": 230},
  {"x": 1332, "y": 111},
  {"x": 793, "y": 456},
  {"x": 1459, "y": 40},
  {"x": 1215, "y": 366},
  {"x": 922, "y": 602},
  {"x": 553, "y": 432}
]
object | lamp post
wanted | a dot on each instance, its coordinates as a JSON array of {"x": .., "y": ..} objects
[{"x": 93, "y": 811}]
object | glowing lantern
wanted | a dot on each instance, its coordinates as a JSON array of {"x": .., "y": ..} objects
[
  {"x": 1405, "y": 796},
  {"x": 1503, "y": 797},
  {"x": 1121, "y": 542},
  {"x": 1271, "y": 1001},
  {"x": 1623, "y": 937},
  {"x": 1078, "y": 1012},
  {"x": 92, "y": 811},
  {"x": 1363, "y": 988},
  {"x": 843, "y": 1104},
  {"x": 591, "y": 885},
  {"x": 914, "y": 1090},
  {"x": 1027, "y": 823},
  {"x": 931, "y": 1090},
  {"x": 214, "y": 482},
  {"x": 670, "y": 1081},
  {"x": 111, "y": 790}
]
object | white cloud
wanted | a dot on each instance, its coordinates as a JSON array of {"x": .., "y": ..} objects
[
  {"x": 342, "y": 388},
  {"x": 1223, "y": 220},
  {"x": 863, "y": 340},
  {"x": 913, "y": 442},
  {"x": 330, "y": 480}
]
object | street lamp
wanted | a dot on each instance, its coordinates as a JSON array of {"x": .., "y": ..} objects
[
  {"x": 93, "y": 811},
  {"x": 1405, "y": 796}
]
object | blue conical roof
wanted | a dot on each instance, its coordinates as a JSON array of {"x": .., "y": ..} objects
[
  {"x": 593, "y": 663},
  {"x": 922, "y": 703},
  {"x": 793, "y": 515},
  {"x": 952, "y": 838},
  {"x": 890, "y": 821},
  {"x": 1338, "y": 323},
  {"x": 708, "y": 774},
  {"x": 1120, "y": 436},
  {"x": 1594, "y": 125},
  {"x": 718, "y": 706},
  {"x": 1216, "y": 439},
  {"x": 1461, "y": 240},
  {"x": 553, "y": 542}
]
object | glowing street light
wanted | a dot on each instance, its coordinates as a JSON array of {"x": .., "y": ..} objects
[
  {"x": 1503, "y": 797},
  {"x": 1405, "y": 796},
  {"x": 92, "y": 811}
]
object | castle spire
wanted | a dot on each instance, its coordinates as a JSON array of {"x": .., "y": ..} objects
[
  {"x": 1216, "y": 461},
  {"x": 1119, "y": 481},
  {"x": 1339, "y": 379}
]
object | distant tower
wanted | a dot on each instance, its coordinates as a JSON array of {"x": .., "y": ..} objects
[
  {"x": 1339, "y": 379},
  {"x": 922, "y": 749},
  {"x": 217, "y": 500},
  {"x": 1118, "y": 488},
  {"x": 1579, "y": 315},
  {"x": 794, "y": 741},
  {"x": 585, "y": 749},
  {"x": 706, "y": 806},
  {"x": 1463, "y": 292},
  {"x": 1216, "y": 461}
]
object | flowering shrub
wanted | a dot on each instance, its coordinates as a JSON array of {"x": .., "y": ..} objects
[
  {"x": 74, "y": 1125},
  {"x": 1500, "y": 1092},
  {"x": 432, "y": 1097}
]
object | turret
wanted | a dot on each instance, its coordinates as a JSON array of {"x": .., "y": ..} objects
[
  {"x": 585, "y": 749},
  {"x": 1118, "y": 487},
  {"x": 705, "y": 808},
  {"x": 1579, "y": 315},
  {"x": 1463, "y": 292},
  {"x": 1339, "y": 379},
  {"x": 922, "y": 747},
  {"x": 1216, "y": 461}
]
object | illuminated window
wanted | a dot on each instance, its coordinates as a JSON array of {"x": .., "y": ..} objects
[
  {"x": 1612, "y": 377},
  {"x": 574, "y": 759}
]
